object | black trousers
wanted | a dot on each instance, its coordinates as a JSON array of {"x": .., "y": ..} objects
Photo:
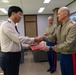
[{"x": 10, "y": 62}]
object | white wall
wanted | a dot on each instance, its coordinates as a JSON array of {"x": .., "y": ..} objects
[
  {"x": 21, "y": 26},
  {"x": 72, "y": 7},
  {"x": 42, "y": 23},
  {"x": 3, "y": 18}
]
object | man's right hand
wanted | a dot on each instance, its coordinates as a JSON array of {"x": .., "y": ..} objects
[
  {"x": 38, "y": 39},
  {"x": 45, "y": 34}
]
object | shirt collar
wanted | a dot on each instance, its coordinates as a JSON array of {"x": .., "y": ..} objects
[
  {"x": 11, "y": 22},
  {"x": 66, "y": 21}
]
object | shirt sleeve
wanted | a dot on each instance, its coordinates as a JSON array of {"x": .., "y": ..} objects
[
  {"x": 49, "y": 38},
  {"x": 25, "y": 46},
  {"x": 11, "y": 33},
  {"x": 14, "y": 36},
  {"x": 26, "y": 40}
]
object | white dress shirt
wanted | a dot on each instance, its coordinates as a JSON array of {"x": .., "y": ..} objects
[{"x": 10, "y": 39}]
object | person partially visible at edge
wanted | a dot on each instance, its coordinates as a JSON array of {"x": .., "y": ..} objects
[
  {"x": 52, "y": 58},
  {"x": 65, "y": 35},
  {"x": 11, "y": 41}
]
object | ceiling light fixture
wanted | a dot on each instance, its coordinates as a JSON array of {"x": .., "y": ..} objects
[
  {"x": 3, "y": 10},
  {"x": 5, "y": 1},
  {"x": 46, "y": 1},
  {"x": 41, "y": 9}
]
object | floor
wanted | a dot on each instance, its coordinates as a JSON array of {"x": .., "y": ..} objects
[{"x": 30, "y": 67}]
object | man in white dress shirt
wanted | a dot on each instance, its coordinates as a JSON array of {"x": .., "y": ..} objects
[{"x": 11, "y": 42}]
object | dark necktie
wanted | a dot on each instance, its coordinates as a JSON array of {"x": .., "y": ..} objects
[
  {"x": 19, "y": 33},
  {"x": 16, "y": 29}
]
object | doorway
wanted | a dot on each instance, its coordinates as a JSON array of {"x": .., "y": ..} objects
[{"x": 30, "y": 25}]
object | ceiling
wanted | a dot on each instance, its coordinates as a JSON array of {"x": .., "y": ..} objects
[{"x": 32, "y": 6}]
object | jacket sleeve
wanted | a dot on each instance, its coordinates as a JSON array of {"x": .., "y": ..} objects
[{"x": 51, "y": 37}]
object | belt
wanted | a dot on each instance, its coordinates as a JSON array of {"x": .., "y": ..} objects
[{"x": 11, "y": 52}]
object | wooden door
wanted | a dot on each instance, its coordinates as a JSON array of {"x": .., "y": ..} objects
[{"x": 30, "y": 25}]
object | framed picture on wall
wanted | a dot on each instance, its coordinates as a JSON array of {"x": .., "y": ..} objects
[{"x": 73, "y": 16}]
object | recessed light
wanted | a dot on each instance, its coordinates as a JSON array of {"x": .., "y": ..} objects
[
  {"x": 41, "y": 9},
  {"x": 46, "y": 1},
  {"x": 5, "y": 1},
  {"x": 3, "y": 10}
]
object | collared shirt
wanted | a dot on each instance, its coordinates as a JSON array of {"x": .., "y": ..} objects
[{"x": 10, "y": 39}]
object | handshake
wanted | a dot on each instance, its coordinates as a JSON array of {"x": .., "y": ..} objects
[{"x": 38, "y": 39}]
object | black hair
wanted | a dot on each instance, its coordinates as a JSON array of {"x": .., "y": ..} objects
[{"x": 14, "y": 9}]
